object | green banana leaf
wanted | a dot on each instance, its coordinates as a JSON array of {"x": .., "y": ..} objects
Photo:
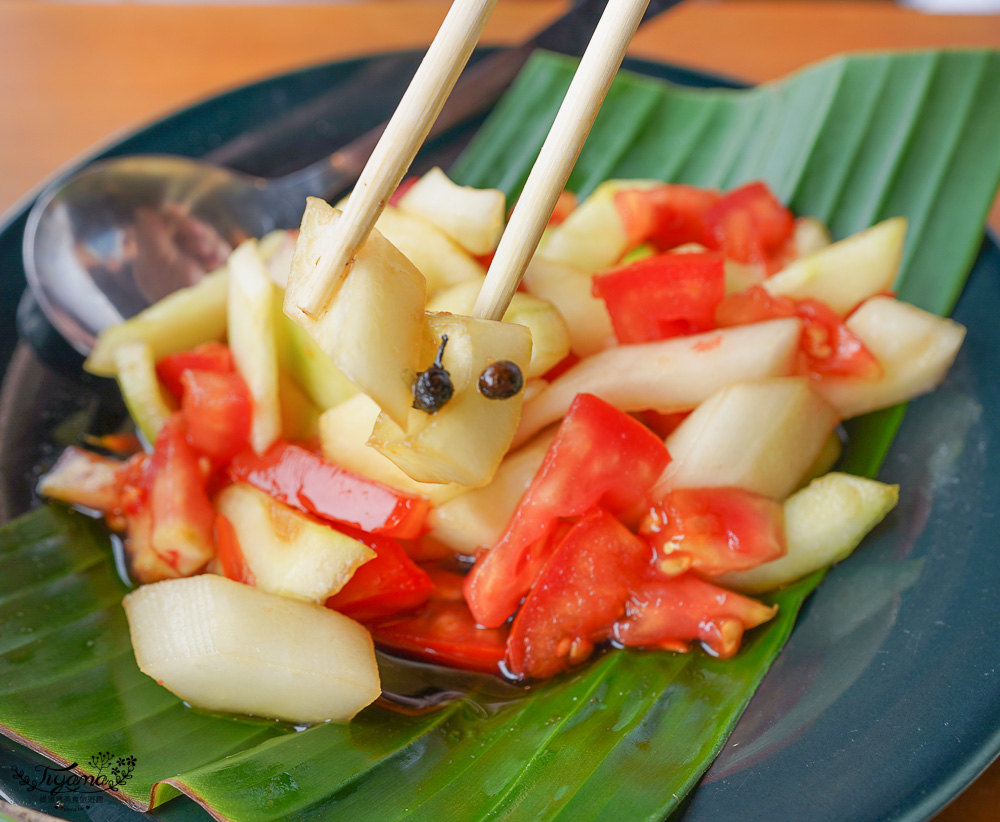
[{"x": 850, "y": 141}]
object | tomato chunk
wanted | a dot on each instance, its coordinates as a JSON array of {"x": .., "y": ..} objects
[
  {"x": 668, "y": 295},
  {"x": 578, "y": 596},
  {"x": 388, "y": 584},
  {"x": 827, "y": 347},
  {"x": 714, "y": 530},
  {"x": 211, "y": 356},
  {"x": 600, "y": 455},
  {"x": 443, "y": 631},
  {"x": 670, "y": 613},
  {"x": 217, "y": 411},
  {"x": 401, "y": 189},
  {"x": 304, "y": 480},
  {"x": 231, "y": 560},
  {"x": 830, "y": 348},
  {"x": 749, "y": 224},
  {"x": 182, "y": 515},
  {"x": 666, "y": 216}
]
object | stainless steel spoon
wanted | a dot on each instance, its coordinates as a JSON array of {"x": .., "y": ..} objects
[{"x": 106, "y": 242}]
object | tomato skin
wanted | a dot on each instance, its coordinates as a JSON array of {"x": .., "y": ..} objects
[
  {"x": 444, "y": 632},
  {"x": 827, "y": 347},
  {"x": 302, "y": 479},
  {"x": 664, "y": 296},
  {"x": 669, "y": 613},
  {"x": 750, "y": 225},
  {"x": 599, "y": 455},
  {"x": 714, "y": 530},
  {"x": 753, "y": 305},
  {"x": 447, "y": 584},
  {"x": 578, "y": 596},
  {"x": 211, "y": 356},
  {"x": 830, "y": 348},
  {"x": 230, "y": 555},
  {"x": 561, "y": 367},
  {"x": 565, "y": 205},
  {"x": 386, "y": 585},
  {"x": 182, "y": 515},
  {"x": 666, "y": 216},
  {"x": 217, "y": 412},
  {"x": 663, "y": 425},
  {"x": 401, "y": 189}
]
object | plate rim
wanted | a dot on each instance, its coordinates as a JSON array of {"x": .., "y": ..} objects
[{"x": 945, "y": 790}]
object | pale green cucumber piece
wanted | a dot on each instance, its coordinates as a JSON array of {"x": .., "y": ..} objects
[
  {"x": 306, "y": 364},
  {"x": 640, "y": 252},
  {"x": 824, "y": 523},
  {"x": 135, "y": 367},
  {"x": 592, "y": 237},
  {"x": 825, "y": 460},
  {"x": 848, "y": 272},
  {"x": 299, "y": 414},
  {"x": 549, "y": 333},
  {"x": 180, "y": 321},
  {"x": 252, "y": 339}
]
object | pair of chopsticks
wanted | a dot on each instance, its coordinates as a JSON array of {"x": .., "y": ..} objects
[{"x": 413, "y": 118}]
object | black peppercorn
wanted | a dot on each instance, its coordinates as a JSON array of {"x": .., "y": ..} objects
[
  {"x": 433, "y": 387},
  {"x": 501, "y": 380}
]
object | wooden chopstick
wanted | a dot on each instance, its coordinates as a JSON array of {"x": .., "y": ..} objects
[
  {"x": 555, "y": 161},
  {"x": 402, "y": 138}
]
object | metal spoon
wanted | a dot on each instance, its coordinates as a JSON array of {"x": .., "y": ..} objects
[{"x": 108, "y": 241}]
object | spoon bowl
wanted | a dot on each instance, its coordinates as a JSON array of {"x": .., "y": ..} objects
[
  {"x": 108, "y": 241},
  {"x": 120, "y": 234}
]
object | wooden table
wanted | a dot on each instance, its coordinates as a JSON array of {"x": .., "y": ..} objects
[{"x": 71, "y": 75}]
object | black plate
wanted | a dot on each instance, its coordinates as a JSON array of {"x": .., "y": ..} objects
[{"x": 885, "y": 702}]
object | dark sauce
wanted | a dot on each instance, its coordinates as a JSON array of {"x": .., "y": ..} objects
[{"x": 43, "y": 411}]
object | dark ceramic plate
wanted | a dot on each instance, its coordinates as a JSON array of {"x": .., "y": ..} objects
[{"x": 885, "y": 702}]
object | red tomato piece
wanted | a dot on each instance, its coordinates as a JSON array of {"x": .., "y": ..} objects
[
  {"x": 229, "y": 553},
  {"x": 388, "y": 584},
  {"x": 561, "y": 367},
  {"x": 749, "y": 224},
  {"x": 211, "y": 356},
  {"x": 217, "y": 411},
  {"x": 443, "y": 631},
  {"x": 578, "y": 596},
  {"x": 714, "y": 530},
  {"x": 600, "y": 455},
  {"x": 827, "y": 347},
  {"x": 663, "y": 425},
  {"x": 401, "y": 189},
  {"x": 182, "y": 515},
  {"x": 669, "y": 613},
  {"x": 668, "y": 295},
  {"x": 753, "y": 305},
  {"x": 666, "y": 216},
  {"x": 132, "y": 486},
  {"x": 123, "y": 445},
  {"x": 486, "y": 260},
  {"x": 564, "y": 206},
  {"x": 304, "y": 480},
  {"x": 830, "y": 348},
  {"x": 447, "y": 584}
]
